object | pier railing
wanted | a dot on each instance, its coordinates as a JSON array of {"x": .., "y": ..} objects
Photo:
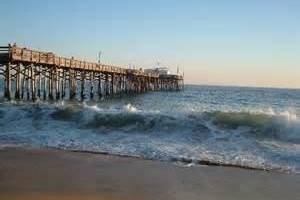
[{"x": 32, "y": 74}]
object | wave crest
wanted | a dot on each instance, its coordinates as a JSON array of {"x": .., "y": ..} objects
[{"x": 283, "y": 126}]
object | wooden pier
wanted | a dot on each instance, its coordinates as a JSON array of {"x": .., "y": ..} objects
[{"x": 32, "y": 75}]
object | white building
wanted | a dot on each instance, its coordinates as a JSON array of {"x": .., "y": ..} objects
[{"x": 158, "y": 70}]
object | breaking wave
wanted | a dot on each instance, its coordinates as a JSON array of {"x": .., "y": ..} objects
[
  {"x": 248, "y": 138},
  {"x": 282, "y": 126}
]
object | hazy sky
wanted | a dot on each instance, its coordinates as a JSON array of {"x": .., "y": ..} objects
[{"x": 227, "y": 42}]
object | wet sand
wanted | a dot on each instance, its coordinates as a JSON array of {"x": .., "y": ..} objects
[{"x": 52, "y": 174}]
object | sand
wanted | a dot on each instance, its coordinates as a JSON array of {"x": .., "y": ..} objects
[{"x": 27, "y": 174}]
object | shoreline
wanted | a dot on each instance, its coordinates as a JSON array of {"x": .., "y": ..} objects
[
  {"x": 184, "y": 161},
  {"x": 57, "y": 174}
]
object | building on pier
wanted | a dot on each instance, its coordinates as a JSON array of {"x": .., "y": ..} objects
[{"x": 159, "y": 71}]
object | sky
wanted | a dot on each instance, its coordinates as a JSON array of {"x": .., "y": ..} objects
[{"x": 215, "y": 42}]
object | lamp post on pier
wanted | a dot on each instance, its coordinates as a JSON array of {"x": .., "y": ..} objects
[{"x": 99, "y": 57}]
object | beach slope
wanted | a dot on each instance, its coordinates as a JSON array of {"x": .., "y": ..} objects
[{"x": 27, "y": 174}]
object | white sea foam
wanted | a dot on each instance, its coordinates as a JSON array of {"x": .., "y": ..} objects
[
  {"x": 130, "y": 108},
  {"x": 288, "y": 114},
  {"x": 92, "y": 107}
]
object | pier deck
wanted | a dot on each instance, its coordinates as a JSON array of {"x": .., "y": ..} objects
[{"x": 30, "y": 74}]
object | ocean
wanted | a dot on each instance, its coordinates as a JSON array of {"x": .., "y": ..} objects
[{"x": 255, "y": 128}]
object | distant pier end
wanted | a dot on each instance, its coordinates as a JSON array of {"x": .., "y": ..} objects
[{"x": 30, "y": 74}]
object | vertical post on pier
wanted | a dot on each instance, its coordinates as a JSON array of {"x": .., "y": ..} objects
[
  {"x": 140, "y": 85},
  {"x": 112, "y": 84},
  {"x": 143, "y": 84},
  {"x": 160, "y": 84},
  {"x": 106, "y": 85},
  {"x": 73, "y": 82},
  {"x": 129, "y": 84},
  {"x": 144, "y": 87},
  {"x": 57, "y": 83},
  {"x": 116, "y": 84},
  {"x": 23, "y": 82},
  {"x": 137, "y": 86},
  {"x": 135, "y": 83},
  {"x": 40, "y": 82},
  {"x": 53, "y": 83},
  {"x": 50, "y": 85},
  {"x": 120, "y": 84},
  {"x": 99, "y": 87},
  {"x": 82, "y": 85},
  {"x": 63, "y": 84},
  {"x": 147, "y": 84},
  {"x": 18, "y": 81},
  {"x": 32, "y": 85},
  {"x": 45, "y": 85},
  {"x": 70, "y": 84},
  {"x": 125, "y": 83},
  {"x": 28, "y": 82},
  {"x": 152, "y": 84},
  {"x": 7, "y": 85},
  {"x": 92, "y": 76}
]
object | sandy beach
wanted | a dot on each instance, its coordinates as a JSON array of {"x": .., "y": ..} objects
[{"x": 27, "y": 174}]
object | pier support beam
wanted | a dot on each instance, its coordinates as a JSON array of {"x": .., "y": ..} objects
[
  {"x": 72, "y": 84},
  {"x": 39, "y": 82},
  {"x": 50, "y": 85},
  {"x": 112, "y": 84},
  {"x": 7, "y": 84},
  {"x": 28, "y": 83},
  {"x": 57, "y": 83},
  {"x": 63, "y": 84},
  {"x": 106, "y": 85},
  {"x": 82, "y": 85},
  {"x": 18, "y": 82},
  {"x": 99, "y": 86},
  {"x": 32, "y": 85},
  {"x": 45, "y": 86},
  {"x": 92, "y": 77},
  {"x": 23, "y": 82}
]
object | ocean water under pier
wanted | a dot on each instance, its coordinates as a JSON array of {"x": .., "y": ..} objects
[{"x": 31, "y": 75}]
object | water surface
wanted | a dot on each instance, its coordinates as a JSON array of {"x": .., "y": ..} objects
[{"x": 249, "y": 127}]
